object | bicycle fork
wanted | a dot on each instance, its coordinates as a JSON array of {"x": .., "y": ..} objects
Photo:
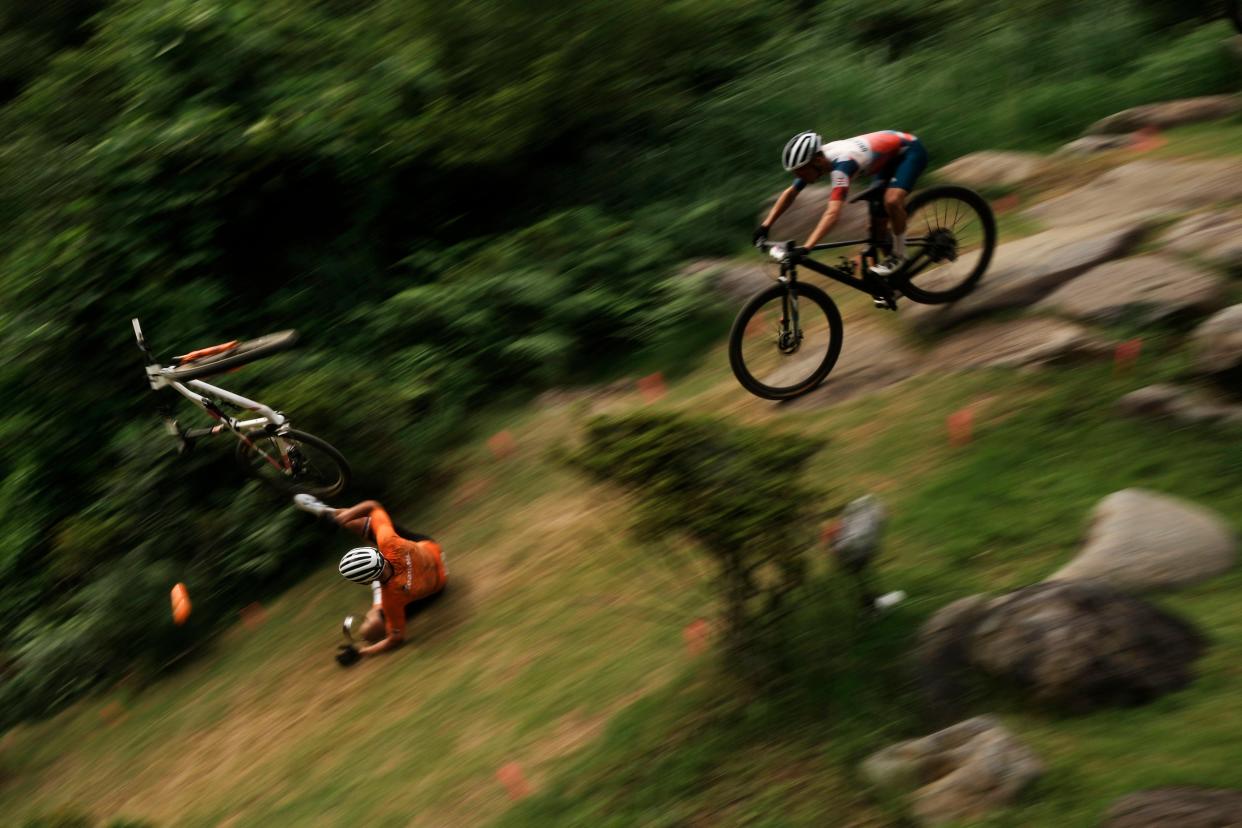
[{"x": 789, "y": 339}]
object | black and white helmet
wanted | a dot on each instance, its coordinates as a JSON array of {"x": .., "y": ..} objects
[
  {"x": 801, "y": 149},
  {"x": 362, "y": 565}
]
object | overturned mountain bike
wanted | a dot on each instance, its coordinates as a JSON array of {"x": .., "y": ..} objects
[
  {"x": 786, "y": 339},
  {"x": 268, "y": 447}
]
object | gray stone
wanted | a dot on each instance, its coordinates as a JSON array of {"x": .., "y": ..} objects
[
  {"x": 1169, "y": 114},
  {"x": 959, "y": 773},
  {"x": 1145, "y": 289},
  {"x": 992, "y": 169},
  {"x": 873, "y": 356},
  {"x": 1217, "y": 343},
  {"x": 1017, "y": 343},
  {"x": 1183, "y": 807},
  {"x": 1191, "y": 406},
  {"x": 1024, "y": 271},
  {"x": 1090, "y": 144},
  {"x": 802, "y": 216},
  {"x": 1143, "y": 540},
  {"x": 1214, "y": 237},
  {"x": 1084, "y": 645},
  {"x": 1145, "y": 185}
]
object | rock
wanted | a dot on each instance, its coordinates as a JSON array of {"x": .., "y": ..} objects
[
  {"x": 1143, "y": 540},
  {"x": 1185, "y": 405},
  {"x": 1184, "y": 807},
  {"x": 941, "y": 656},
  {"x": 1217, "y": 343},
  {"x": 992, "y": 169},
  {"x": 1017, "y": 343},
  {"x": 857, "y": 542},
  {"x": 1145, "y": 289},
  {"x": 1214, "y": 237},
  {"x": 1142, "y": 186},
  {"x": 873, "y": 356},
  {"x": 734, "y": 280},
  {"x": 1083, "y": 645},
  {"x": 1024, "y": 271},
  {"x": 1169, "y": 114},
  {"x": 959, "y": 773},
  {"x": 1091, "y": 144},
  {"x": 800, "y": 219}
]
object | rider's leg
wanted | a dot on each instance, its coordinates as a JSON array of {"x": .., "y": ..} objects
[{"x": 895, "y": 205}]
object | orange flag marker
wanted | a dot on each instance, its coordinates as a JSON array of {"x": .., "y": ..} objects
[
  {"x": 696, "y": 634},
  {"x": 180, "y": 604},
  {"x": 1126, "y": 354},
  {"x": 652, "y": 387},
  {"x": 514, "y": 780},
  {"x": 502, "y": 444},
  {"x": 961, "y": 425}
]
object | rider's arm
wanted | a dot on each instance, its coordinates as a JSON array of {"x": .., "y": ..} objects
[
  {"x": 826, "y": 223},
  {"x": 782, "y": 204},
  {"x": 390, "y": 642}
]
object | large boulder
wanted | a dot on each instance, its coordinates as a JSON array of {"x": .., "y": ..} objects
[
  {"x": 1191, "y": 406},
  {"x": 1145, "y": 185},
  {"x": 800, "y": 219},
  {"x": 1168, "y": 114},
  {"x": 1079, "y": 645},
  {"x": 992, "y": 169},
  {"x": 1024, "y": 271},
  {"x": 1145, "y": 289},
  {"x": 1215, "y": 237},
  {"x": 1142, "y": 540},
  {"x": 1183, "y": 807},
  {"x": 959, "y": 773},
  {"x": 1091, "y": 144},
  {"x": 1217, "y": 343},
  {"x": 1017, "y": 343}
]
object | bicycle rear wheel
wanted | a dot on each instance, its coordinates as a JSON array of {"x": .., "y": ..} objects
[
  {"x": 774, "y": 358},
  {"x": 951, "y": 237},
  {"x": 294, "y": 462}
]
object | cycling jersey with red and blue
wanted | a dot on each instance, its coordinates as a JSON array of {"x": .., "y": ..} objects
[{"x": 873, "y": 153}]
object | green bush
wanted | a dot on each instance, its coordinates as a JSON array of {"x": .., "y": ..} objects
[{"x": 735, "y": 491}]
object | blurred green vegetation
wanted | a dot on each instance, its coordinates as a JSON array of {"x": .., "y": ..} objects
[{"x": 453, "y": 202}]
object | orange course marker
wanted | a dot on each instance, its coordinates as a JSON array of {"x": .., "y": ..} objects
[
  {"x": 1126, "y": 354},
  {"x": 501, "y": 444},
  {"x": 652, "y": 387},
  {"x": 512, "y": 778},
  {"x": 696, "y": 635},
  {"x": 180, "y": 604},
  {"x": 253, "y": 615},
  {"x": 960, "y": 424}
]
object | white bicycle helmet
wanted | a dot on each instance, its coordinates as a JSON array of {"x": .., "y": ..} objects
[
  {"x": 362, "y": 564},
  {"x": 801, "y": 149}
]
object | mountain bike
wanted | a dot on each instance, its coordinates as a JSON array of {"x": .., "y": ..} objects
[
  {"x": 268, "y": 447},
  {"x": 787, "y": 337}
]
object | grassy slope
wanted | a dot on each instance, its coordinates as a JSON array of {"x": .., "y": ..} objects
[{"x": 561, "y": 647}]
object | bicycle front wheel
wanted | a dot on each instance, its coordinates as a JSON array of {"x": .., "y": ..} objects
[
  {"x": 951, "y": 234},
  {"x": 294, "y": 462},
  {"x": 785, "y": 341}
]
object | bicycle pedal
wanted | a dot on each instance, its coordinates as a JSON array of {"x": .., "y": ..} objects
[{"x": 885, "y": 302}]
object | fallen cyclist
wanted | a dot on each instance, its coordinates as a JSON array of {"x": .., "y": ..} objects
[
  {"x": 897, "y": 158},
  {"x": 404, "y": 570}
]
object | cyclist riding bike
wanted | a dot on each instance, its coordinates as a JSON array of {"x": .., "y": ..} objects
[
  {"x": 404, "y": 570},
  {"x": 897, "y": 158}
]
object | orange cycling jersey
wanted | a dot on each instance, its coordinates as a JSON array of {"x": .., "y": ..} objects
[{"x": 417, "y": 570}]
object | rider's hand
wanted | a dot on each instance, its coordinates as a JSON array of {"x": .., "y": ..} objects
[
  {"x": 347, "y": 655},
  {"x": 760, "y": 235}
]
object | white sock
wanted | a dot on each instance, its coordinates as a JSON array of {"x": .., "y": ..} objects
[{"x": 899, "y": 244}]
